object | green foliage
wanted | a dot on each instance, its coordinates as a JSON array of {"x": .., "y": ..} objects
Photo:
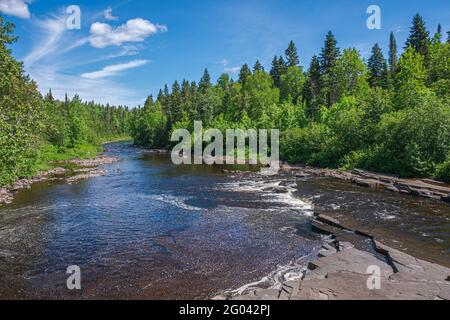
[
  {"x": 20, "y": 121},
  {"x": 291, "y": 84},
  {"x": 419, "y": 37},
  {"x": 292, "y": 55},
  {"x": 391, "y": 118},
  {"x": 393, "y": 59},
  {"x": 411, "y": 78},
  {"x": 443, "y": 170},
  {"x": 35, "y": 131}
]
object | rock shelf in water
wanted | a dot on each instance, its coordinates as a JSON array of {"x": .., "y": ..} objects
[{"x": 340, "y": 272}]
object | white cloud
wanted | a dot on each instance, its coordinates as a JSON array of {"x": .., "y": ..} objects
[
  {"x": 135, "y": 30},
  {"x": 109, "y": 15},
  {"x": 224, "y": 62},
  {"x": 113, "y": 70},
  {"x": 232, "y": 69},
  {"x": 17, "y": 8}
]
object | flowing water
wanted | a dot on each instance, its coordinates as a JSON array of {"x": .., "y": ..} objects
[{"x": 149, "y": 229}]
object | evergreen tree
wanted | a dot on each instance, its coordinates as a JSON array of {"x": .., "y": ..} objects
[
  {"x": 175, "y": 103},
  {"x": 244, "y": 74},
  {"x": 148, "y": 102},
  {"x": 329, "y": 55},
  {"x": 205, "y": 82},
  {"x": 377, "y": 67},
  {"x": 49, "y": 96},
  {"x": 312, "y": 88},
  {"x": 292, "y": 55},
  {"x": 283, "y": 67},
  {"x": 448, "y": 36},
  {"x": 419, "y": 37},
  {"x": 275, "y": 71},
  {"x": 393, "y": 59},
  {"x": 258, "y": 66}
]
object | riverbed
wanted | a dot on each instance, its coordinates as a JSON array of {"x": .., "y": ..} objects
[{"x": 150, "y": 229}]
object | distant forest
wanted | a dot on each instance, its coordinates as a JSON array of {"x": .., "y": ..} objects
[
  {"x": 35, "y": 131},
  {"x": 388, "y": 114}
]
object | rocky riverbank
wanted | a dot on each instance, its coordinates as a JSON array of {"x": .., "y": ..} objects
[
  {"x": 71, "y": 171},
  {"x": 417, "y": 187},
  {"x": 344, "y": 270}
]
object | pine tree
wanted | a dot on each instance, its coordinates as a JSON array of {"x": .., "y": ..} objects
[
  {"x": 292, "y": 55},
  {"x": 258, "y": 66},
  {"x": 329, "y": 55},
  {"x": 148, "y": 102},
  {"x": 312, "y": 87},
  {"x": 175, "y": 102},
  {"x": 185, "y": 89},
  {"x": 244, "y": 74},
  {"x": 205, "y": 82},
  {"x": 283, "y": 67},
  {"x": 49, "y": 96},
  {"x": 275, "y": 71},
  {"x": 419, "y": 37},
  {"x": 448, "y": 36},
  {"x": 377, "y": 67},
  {"x": 393, "y": 59}
]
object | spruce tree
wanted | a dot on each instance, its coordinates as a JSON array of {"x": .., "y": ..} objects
[
  {"x": 275, "y": 71},
  {"x": 393, "y": 59},
  {"x": 49, "y": 96},
  {"x": 377, "y": 67},
  {"x": 205, "y": 82},
  {"x": 175, "y": 102},
  {"x": 329, "y": 55},
  {"x": 244, "y": 74},
  {"x": 292, "y": 55},
  {"x": 258, "y": 66},
  {"x": 419, "y": 37},
  {"x": 282, "y": 65},
  {"x": 312, "y": 87}
]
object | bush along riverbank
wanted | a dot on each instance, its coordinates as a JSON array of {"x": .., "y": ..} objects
[
  {"x": 70, "y": 171},
  {"x": 390, "y": 116},
  {"x": 36, "y": 131},
  {"x": 68, "y": 164}
]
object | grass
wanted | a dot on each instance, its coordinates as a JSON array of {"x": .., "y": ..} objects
[{"x": 50, "y": 155}]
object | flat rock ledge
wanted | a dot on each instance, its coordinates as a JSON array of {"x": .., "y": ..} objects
[
  {"x": 426, "y": 188},
  {"x": 342, "y": 272},
  {"x": 86, "y": 169}
]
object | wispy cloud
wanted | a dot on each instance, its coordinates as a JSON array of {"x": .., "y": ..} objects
[
  {"x": 226, "y": 64},
  {"x": 16, "y": 8},
  {"x": 113, "y": 70},
  {"x": 53, "y": 30},
  {"x": 397, "y": 28},
  {"x": 136, "y": 30},
  {"x": 108, "y": 14}
]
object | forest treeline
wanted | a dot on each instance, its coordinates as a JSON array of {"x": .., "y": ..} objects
[
  {"x": 389, "y": 114},
  {"x": 36, "y": 130}
]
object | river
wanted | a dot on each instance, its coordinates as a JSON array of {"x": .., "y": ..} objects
[{"x": 153, "y": 230}]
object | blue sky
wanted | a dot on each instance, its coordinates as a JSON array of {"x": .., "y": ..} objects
[{"x": 126, "y": 50}]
